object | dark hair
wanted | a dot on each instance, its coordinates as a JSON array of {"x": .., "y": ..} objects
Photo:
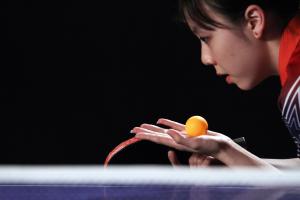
[{"x": 233, "y": 10}]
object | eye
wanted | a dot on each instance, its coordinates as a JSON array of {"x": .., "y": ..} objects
[{"x": 204, "y": 39}]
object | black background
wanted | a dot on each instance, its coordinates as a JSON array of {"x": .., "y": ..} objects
[{"x": 77, "y": 76}]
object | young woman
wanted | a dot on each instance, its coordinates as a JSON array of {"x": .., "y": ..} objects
[{"x": 247, "y": 41}]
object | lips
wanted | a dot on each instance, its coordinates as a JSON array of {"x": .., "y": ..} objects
[{"x": 229, "y": 79}]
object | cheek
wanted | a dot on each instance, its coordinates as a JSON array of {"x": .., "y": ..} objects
[
  {"x": 226, "y": 57},
  {"x": 235, "y": 57}
]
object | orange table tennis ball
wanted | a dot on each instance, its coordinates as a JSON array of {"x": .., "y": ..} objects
[{"x": 196, "y": 126}]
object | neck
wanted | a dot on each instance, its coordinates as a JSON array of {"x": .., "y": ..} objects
[
  {"x": 274, "y": 34},
  {"x": 273, "y": 46}
]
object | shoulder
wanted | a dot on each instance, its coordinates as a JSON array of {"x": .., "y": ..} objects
[
  {"x": 293, "y": 27},
  {"x": 289, "y": 50}
]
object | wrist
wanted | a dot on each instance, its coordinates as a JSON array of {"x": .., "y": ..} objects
[
  {"x": 224, "y": 149},
  {"x": 233, "y": 155}
]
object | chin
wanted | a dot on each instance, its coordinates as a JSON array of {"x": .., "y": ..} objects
[
  {"x": 250, "y": 83},
  {"x": 245, "y": 88},
  {"x": 247, "y": 85}
]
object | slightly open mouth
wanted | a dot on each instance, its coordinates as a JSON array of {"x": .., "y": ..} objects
[{"x": 227, "y": 78}]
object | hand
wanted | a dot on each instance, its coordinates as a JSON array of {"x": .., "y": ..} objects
[
  {"x": 212, "y": 144},
  {"x": 195, "y": 160},
  {"x": 175, "y": 136}
]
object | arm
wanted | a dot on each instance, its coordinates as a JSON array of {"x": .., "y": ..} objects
[
  {"x": 292, "y": 163},
  {"x": 240, "y": 158},
  {"x": 233, "y": 155}
]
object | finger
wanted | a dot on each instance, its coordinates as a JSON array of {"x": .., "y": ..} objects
[
  {"x": 151, "y": 129},
  {"x": 148, "y": 133},
  {"x": 196, "y": 160},
  {"x": 138, "y": 129},
  {"x": 163, "y": 139},
  {"x": 181, "y": 139},
  {"x": 201, "y": 159},
  {"x": 144, "y": 130},
  {"x": 171, "y": 124},
  {"x": 206, "y": 162},
  {"x": 192, "y": 160},
  {"x": 173, "y": 158},
  {"x": 154, "y": 128},
  {"x": 175, "y": 135}
]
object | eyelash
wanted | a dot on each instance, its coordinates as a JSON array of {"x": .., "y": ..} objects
[{"x": 204, "y": 39}]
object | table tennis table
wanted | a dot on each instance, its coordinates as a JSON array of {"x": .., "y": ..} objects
[{"x": 145, "y": 183}]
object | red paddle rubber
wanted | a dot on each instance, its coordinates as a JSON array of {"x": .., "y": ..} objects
[{"x": 118, "y": 148}]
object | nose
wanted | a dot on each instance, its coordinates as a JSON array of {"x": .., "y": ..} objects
[{"x": 206, "y": 56}]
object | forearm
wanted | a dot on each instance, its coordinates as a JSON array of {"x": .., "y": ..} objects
[
  {"x": 292, "y": 163},
  {"x": 233, "y": 155}
]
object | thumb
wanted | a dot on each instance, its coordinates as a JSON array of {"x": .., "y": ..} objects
[{"x": 173, "y": 158}]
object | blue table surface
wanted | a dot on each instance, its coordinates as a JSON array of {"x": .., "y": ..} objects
[
  {"x": 144, "y": 192},
  {"x": 146, "y": 183}
]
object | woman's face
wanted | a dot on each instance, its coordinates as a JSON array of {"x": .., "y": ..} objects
[{"x": 234, "y": 52}]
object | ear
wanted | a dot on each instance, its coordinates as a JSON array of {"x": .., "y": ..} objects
[{"x": 255, "y": 19}]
